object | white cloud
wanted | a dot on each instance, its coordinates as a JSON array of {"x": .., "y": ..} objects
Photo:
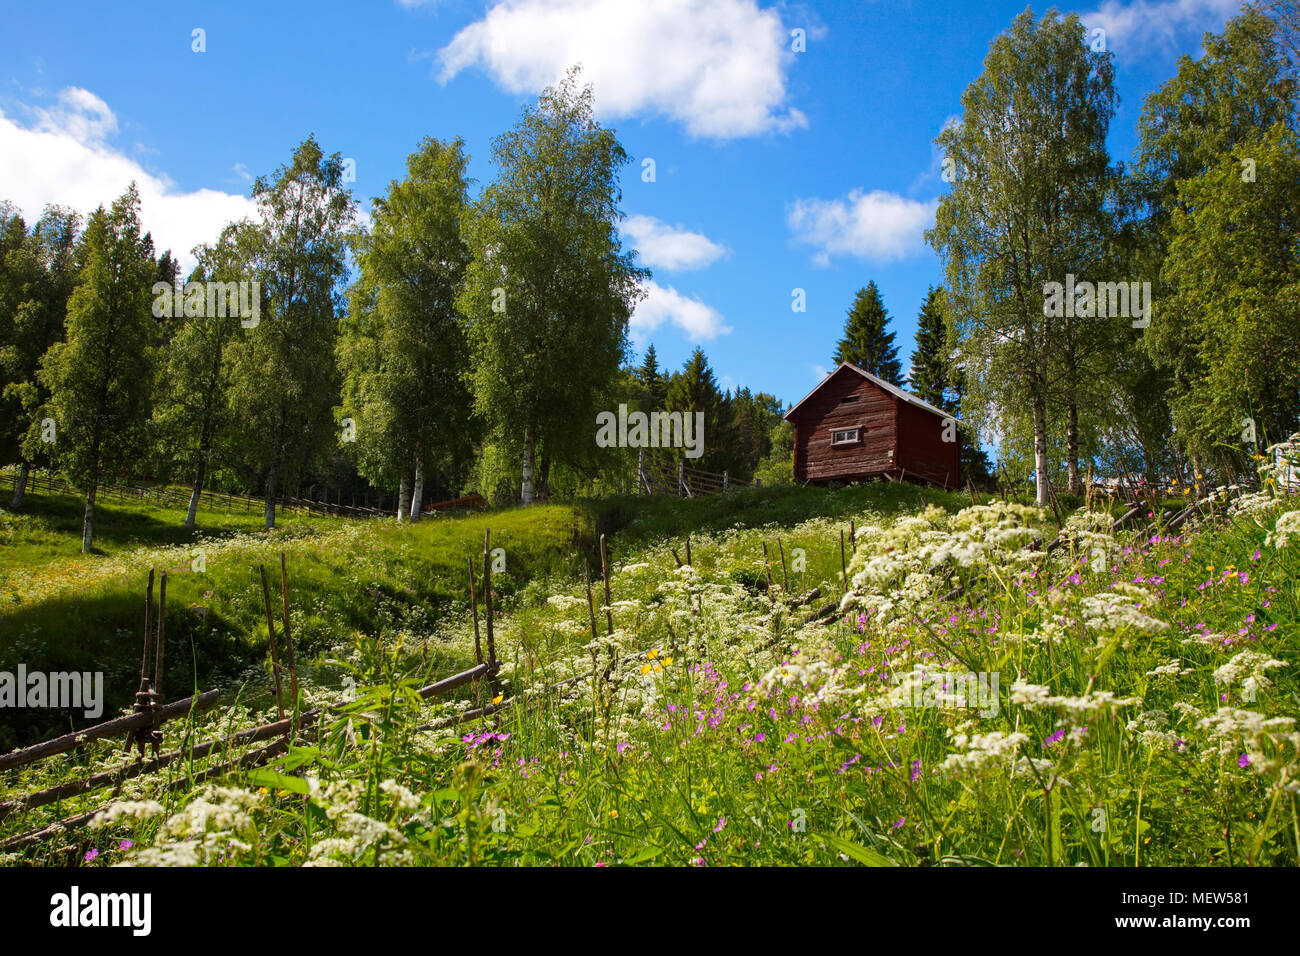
[
  {"x": 666, "y": 247},
  {"x": 62, "y": 158},
  {"x": 79, "y": 113},
  {"x": 662, "y": 304},
  {"x": 1144, "y": 24},
  {"x": 718, "y": 66},
  {"x": 878, "y": 226}
]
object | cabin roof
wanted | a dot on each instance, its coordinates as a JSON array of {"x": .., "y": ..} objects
[{"x": 891, "y": 389}]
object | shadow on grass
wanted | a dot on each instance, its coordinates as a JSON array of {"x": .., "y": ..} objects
[
  {"x": 104, "y": 632},
  {"x": 120, "y": 524}
]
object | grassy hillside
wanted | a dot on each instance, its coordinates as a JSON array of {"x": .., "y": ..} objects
[
  {"x": 61, "y": 610},
  {"x": 1131, "y": 698}
]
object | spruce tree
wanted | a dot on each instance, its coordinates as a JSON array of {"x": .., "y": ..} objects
[
  {"x": 37, "y": 276},
  {"x": 695, "y": 389},
  {"x": 867, "y": 343},
  {"x": 931, "y": 375},
  {"x": 652, "y": 382}
]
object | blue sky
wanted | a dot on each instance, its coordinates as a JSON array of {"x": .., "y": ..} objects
[{"x": 775, "y": 170}]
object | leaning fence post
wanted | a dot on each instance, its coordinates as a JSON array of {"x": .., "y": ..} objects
[
  {"x": 681, "y": 478},
  {"x": 473, "y": 609},
  {"x": 148, "y": 630},
  {"x": 288, "y": 637},
  {"x": 162, "y": 628},
  {"x": 844, "y": 568},
  {"x": 785, "y": 578},
  {"x": 591, "y": 607},
  {"x": 487, "y": 604},
  {"x": 767, "y": 566},
  {"x": 604, "y": 572},
  {"x": 275, "y": 651}
]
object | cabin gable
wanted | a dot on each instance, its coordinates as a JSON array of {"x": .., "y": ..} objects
[
  {"x": 854, "y": 427},
  {"x": 845, "y": 430}
]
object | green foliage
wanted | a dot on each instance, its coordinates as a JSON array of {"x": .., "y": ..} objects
[
  {"x": 193, "y": 420},
  {"x": 284, "y": 379},
  {"x": 1027, "y": 207},
  {"x": 37, "y": 273},
  {"x": 1225, "y": 104},
  {"x": 548, "y": 279},
  {"x": 403, "y": 351},
  {"x": 98, "y": 379}
]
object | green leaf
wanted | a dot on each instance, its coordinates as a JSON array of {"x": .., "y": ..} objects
[
  {"x": 649, "y": 853},
  {"x": 862, "y": 854},
  {"x": 274, "y": 780}
]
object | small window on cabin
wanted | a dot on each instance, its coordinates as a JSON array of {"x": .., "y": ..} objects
[
  {"x": 844, "y": 436},
  {"x": 850, "y": 398}
]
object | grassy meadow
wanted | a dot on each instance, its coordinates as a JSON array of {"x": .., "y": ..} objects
[{"x": 1128, "y": 699}]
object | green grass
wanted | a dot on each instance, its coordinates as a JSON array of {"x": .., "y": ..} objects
[
  {"x": 729, "y": 732},
  {"x": 61, "y": 610}
]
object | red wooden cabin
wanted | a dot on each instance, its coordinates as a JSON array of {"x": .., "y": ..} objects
[{"x": 855, "y": 426}]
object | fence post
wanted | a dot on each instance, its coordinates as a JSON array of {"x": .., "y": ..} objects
[{"x": 725, "y": 480}]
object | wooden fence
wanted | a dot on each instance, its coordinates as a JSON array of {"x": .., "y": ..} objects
[
  {"x": 655, "y": 477},
  {"x": 142, "y": 727},
  {"x": 210, "y": 500}
]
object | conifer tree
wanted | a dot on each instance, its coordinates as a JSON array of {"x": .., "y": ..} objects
[{"x": 867, "y": 341}]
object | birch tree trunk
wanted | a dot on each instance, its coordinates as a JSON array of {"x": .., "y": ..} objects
[
  {"x": 403, "y": 498},
  {"x": 20, "y": 486},
  {"x": 196, "y": 493},
  {"x": 530, "y": 459},
  {"x": 1072, "y": 447},
  {"x": 88, "y": 519},
  {"x": 1040, "y": 450},
  {"x": 417, "y": 497},
  {"x": 273, "y": 478}
]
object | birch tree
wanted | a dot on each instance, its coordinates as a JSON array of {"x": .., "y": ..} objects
[
  {"x": 192, "y": 417},
  {"x": 1030, "y": 171},
  {"x": 285, "y": 382},
  {"x": 99, "y": 377},
  {"x": 403, "y": 352},
  {"x": 549, "y": 292}
]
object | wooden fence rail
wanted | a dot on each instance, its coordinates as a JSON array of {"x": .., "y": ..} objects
[{"x": 658, "y": 478}]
